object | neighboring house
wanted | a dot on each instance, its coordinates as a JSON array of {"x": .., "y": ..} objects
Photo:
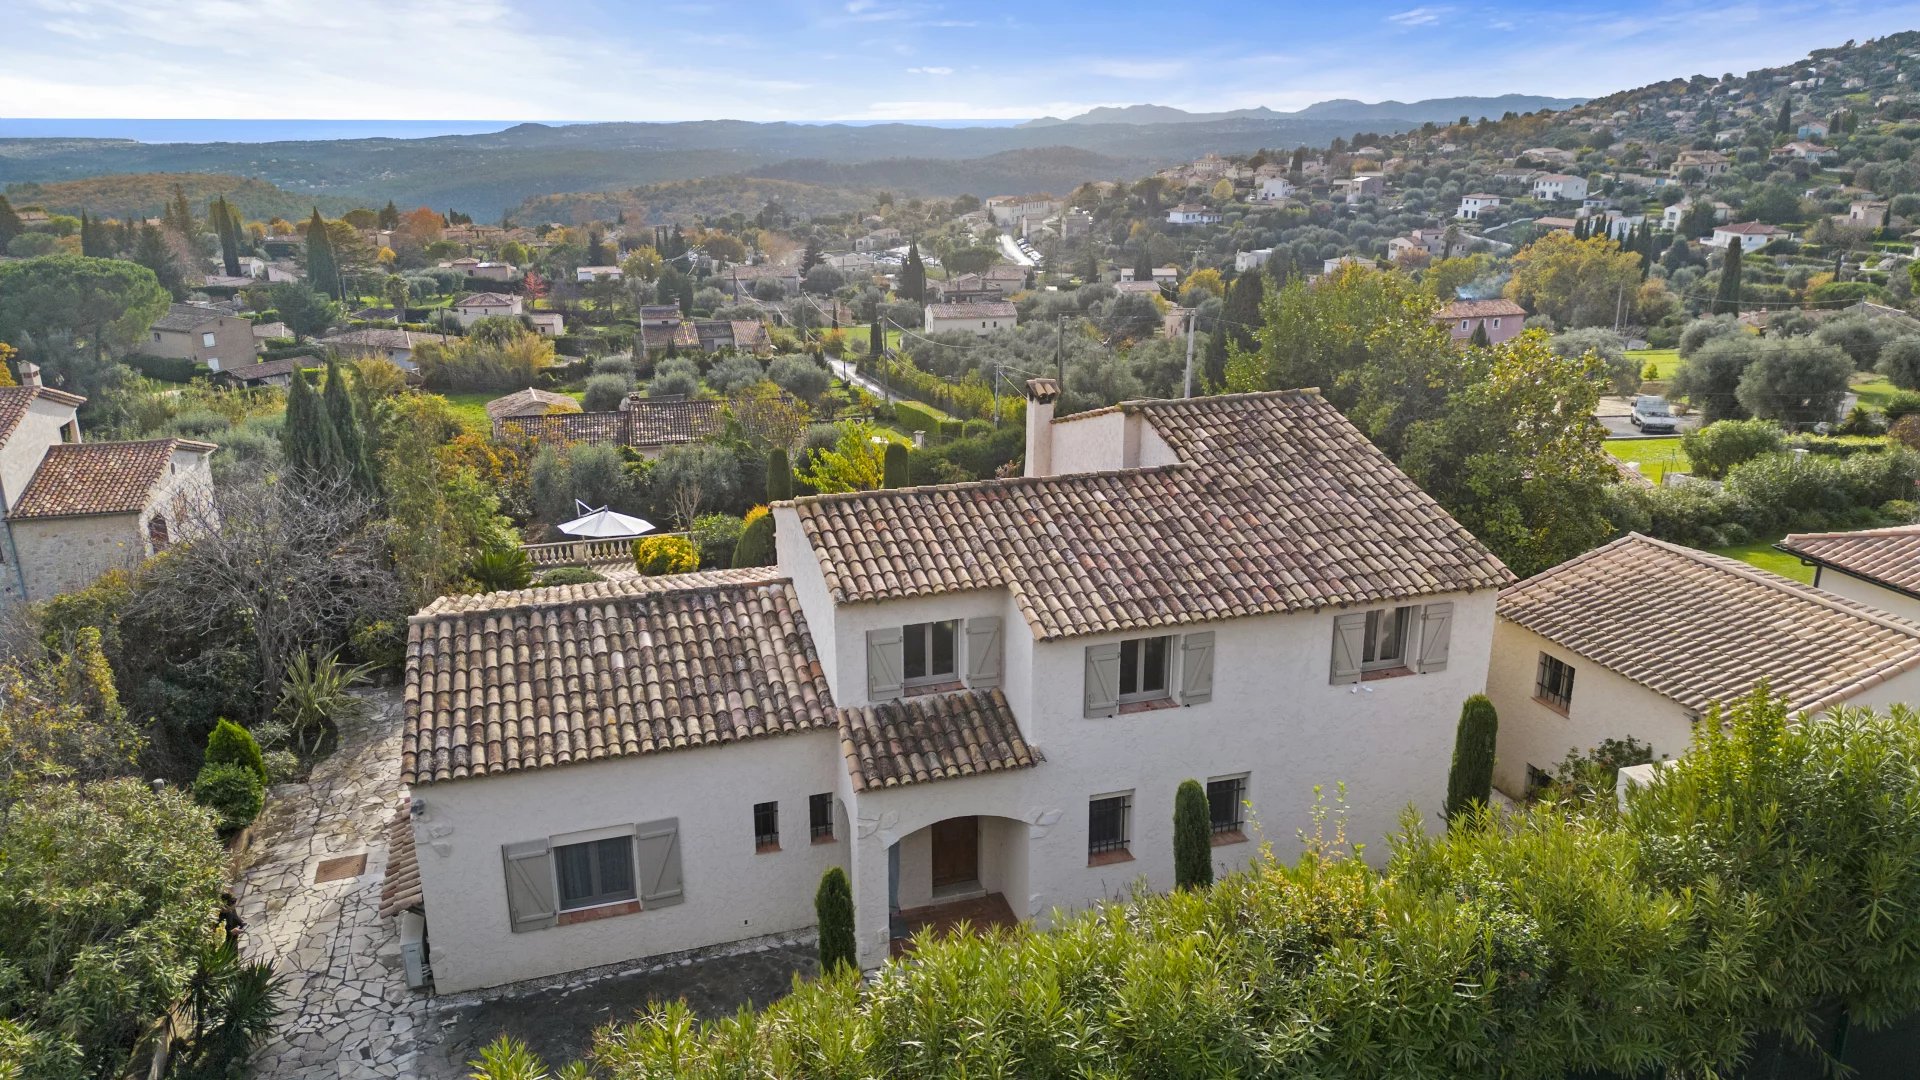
[
  {"x": 1009, "y": 209},
  {"x": 1559, "y": 186},
  {"x": 74, "y": 509},
  {"x": 1812, "y": 129},
  {"x": 495, "y": 271},
  {"x": 204, "y": 334},
  {"x": 1244, "y": 261},
  {"x": 394, "y": 345},
  {"x": 1709, "y": 162},
  {"x": 1876, "y": 567},
  {"x": 1642, "y": 638},
  {"x": 531, "y": 402},
  {"x": 1334, "y": 265},
  {"x": 1502, "y": 319},
  {"x": 267, "y": 372},
  {"x": 1272, "y": 189},
  {"x": 1192, "y": 214},
  {"x": 547, "y": 323},
  {"x": 586, "y": 274},
  {"x": 1805, "y": 151},
  {"x": 1403, "y": 248},
  {"x": 1471, "y": 205},
  {"x": 980, "y": 319},
  {"x": 264, "y": 332},
  {"x": 739, "y": 279},
  {"x": 679, "y": 759},
  {"x": 473, "y": 307},
  {"x": 1354, "y": 188},
  {"x": 1753, "y": 235},
  {"x": 1867, "y": 212},
  {"x": 1144, "y": 288},
  {"x": 1162, "y": 275},
  {"x": 878, "y": 240},
  {"x": 1670, "y": 217},
  {"x": 1555, "y": 224}
]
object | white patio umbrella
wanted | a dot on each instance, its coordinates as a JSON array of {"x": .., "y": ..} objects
[{"x": 604, "y": 524}]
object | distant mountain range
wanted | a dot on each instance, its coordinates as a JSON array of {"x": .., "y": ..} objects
[{"x": 1436, "y": 110}]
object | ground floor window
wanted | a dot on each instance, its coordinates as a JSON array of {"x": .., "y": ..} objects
[
  {"x": 1226, "y": 799},
  {"x": 766, "y": 826},
  {"x": 1107, "y": 823},
  {"x": 820, "y": 816},
  {"x": 1553, "y": 684},
  {"x": 596, "y": 872}
]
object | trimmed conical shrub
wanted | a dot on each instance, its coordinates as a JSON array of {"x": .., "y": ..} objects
[
  {"x": 1192, "y": 837},
  {"x": 833, "y": 905},
  {"x": 779, "y": 476},
  {"x": 893, "y": 467},
  {"x": 1470, "y": 780},
  {"x": 755, "y": 547},
  {"x": 230, "y": 744}
]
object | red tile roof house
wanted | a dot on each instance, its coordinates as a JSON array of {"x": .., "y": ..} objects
[
  {"x": 74, "y": 509},
  {"x": 472, "y": 308},
  {"x": 979, "y": 694},
  {"x": 1503, "y": 319}
]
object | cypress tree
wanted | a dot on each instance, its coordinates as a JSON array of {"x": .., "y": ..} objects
[
  {"x": 389, "y": 216},
  {"x": 1727, "y": 301},
  {"x": 1479, "y": 340},
  {"x": 833, "y": 906},
  {"x": 876, "y": 337},
  {"x": 686, "y": 297},
  {"x": 152, "y": 252},
  {"x": 1785, "y": 123},
  {"x": 811, "y": 257},
  {"x": 311, "y": 444},
  {"x": 1143, "y": 265},
  {"x": 755, "y": 547},
  {"x": 1241, "y": 314},
  {"x": 323, "y": 274},
  {"x": 1470, "y": 779},
  {"x": 229, "y": 238},
  {"x": 913, "y": 276},
  {"x": 345, "y": 421},
  {"x": 893, "y": 467},
  {"x": 89, "y": 246},
  {"x": 10, "y": 223},
  {"x": 179, "y": 215},
  {"x": 1214, "y": 370},
  {"x": 1192, "y": 837},
  {"x": 779, "y": 476}
]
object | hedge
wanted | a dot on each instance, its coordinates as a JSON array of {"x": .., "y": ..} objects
[
  {"x": 914, "y": 416},
  {"x": 1771, "y": 495},
  {"x": 173, "y": 369},
  {"x": 1769, "y": 879}
]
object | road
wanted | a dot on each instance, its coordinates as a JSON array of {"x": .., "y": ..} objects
[{"x": 1012, "y": 251}]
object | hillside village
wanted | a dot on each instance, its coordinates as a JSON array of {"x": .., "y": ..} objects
[{"x": 1284, "y": 583}]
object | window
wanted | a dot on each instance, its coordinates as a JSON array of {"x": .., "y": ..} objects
[
  {"x": 766, "y": 826},
  {"x": 1496, "y": 324},
  {"x": 157, "y": 533},
  {"x": 928, "y": 655},
  {"x": 820, "y": 816},
  {"x": 1143, "y": 668},
  {"x": 1226, "y": 800},
  {"x": 1386, "y": 638},
  {"x": 156, "y": 335},
  {"x": 596, "y": 872},
  {"x": 1553, "y": 686},
  {"x": 1463, "y": 323},
  {"x": 207, "y": 339},
  {"x": 1107, "y": 821}
]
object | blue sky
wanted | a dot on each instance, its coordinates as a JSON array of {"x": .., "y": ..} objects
[{"x": 863, "y": 59}]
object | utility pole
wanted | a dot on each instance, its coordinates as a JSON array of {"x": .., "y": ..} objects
[
  {"x": 1060, "y": 353},
  {"x": 1186, "y": 386},
  {"x": 996, "y": 395}
]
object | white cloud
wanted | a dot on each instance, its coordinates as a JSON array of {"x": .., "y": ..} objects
[
  {"x": 929, "y": 71},
  {"x": 1420, "y": 16}
]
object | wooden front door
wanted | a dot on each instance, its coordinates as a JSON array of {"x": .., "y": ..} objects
[{"x": 956, "y": 851}]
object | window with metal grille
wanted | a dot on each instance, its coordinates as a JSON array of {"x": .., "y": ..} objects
[
  {"x": 1144, "y": 664},
  {"x": 927, "y": 652},
  {"x": 596, "y": 872},
  {"x": 1107, "y": 823},
  {"x": 1554, "y": 683},
  {"x": 820, "y": 816},
  {"x": 1225, "y": 800},
  {"x": 766, "y": 824}
]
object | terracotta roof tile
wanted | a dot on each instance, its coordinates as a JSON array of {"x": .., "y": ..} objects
[
  {"x": 185, "y": 317},
  {"x": 1278, "y": 504},
  {"x": 267, "y": 369},
  {"x": 932, "y": 737},
  {"x": 530, "y": 402},
  {"x": 77, "y": 479},
  {"x": 1700, "y": 628},
  {"x": 401, "y": 889},
  {"x": 1889, "y": 557},
  {"x": 1475, "y": 309},
  {"x": 16, "y": 400}
]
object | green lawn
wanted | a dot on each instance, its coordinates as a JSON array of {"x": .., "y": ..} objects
[
  {"x": 471, "y": 407},
  {"x": 1874, "y": 390},
  {"x": 1665, "y": 361},
  {"x": 1762, "y": 554},
  {"x": 1657, "y": 457}
]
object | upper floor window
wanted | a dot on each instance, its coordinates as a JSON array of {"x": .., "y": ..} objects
[
  {"x": 1386, "y": 640},
  {"x": 928, "y": 653},
  {"x": 1138, "y": 672},
  {"x": 1144, "y": 664},
  {"x": 1410, "y": 637},
  {"x": 206, "y": 339},
  {"x": 1553, "y": 683}
]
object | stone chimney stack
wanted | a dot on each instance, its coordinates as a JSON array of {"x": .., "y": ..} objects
[
  {"x": 1041, "y": 395},
  {"x": 30, "y": 374}
]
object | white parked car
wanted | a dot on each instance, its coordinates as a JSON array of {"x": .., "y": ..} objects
[{"x": 1652, "y": 413}]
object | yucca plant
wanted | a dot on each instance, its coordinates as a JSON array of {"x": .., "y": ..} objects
[
  {"x": 501, "y": 568},
  {"x": 316, "y": 696}
]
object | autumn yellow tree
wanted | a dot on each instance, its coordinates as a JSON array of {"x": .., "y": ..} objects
[{"x": 1576, "y": 282}]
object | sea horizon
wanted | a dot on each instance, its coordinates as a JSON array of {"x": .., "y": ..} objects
[{"x": 265, "y": 131}]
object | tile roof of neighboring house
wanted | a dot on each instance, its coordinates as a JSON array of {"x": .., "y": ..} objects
[
  {"x": 267, "y": 369},
  {"x": 571, "y": 427},
  {"x": 15, "y": 400},
  {"x": 932, "y": 737},
  {"x": 1630, "y": 473},
  {"x": 530, "y": 402},
  {"x": 401, "y": 889},
  {"x": 1748, "y": 228},
  {"x": 182, "y": 318},
  {"x": 1005, "y": 273},
  {"x": 1700, "y": 628},
  {"x": 77, "y": 479},
  {"x": 1277, "y": 504},
  {"x": 485, "y": 299},
  {"x": 1479, "y": 309},
  {"x": 374, "y": 337},
  {"x": 1889, "y": 557},
  {"x": 1145, "y": 287},
  {"x": 272, "y": 330},
  {"x": 1483, "y": 195},
  {"x": 651, "y": 423},
  {"x": 989, "y": 309}
]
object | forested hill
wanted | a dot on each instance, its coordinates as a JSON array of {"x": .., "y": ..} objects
[
  {"x": 1054, "y": 168},
  {"x": 145, "y": 194},
  {"x": 687, "y": 200}
]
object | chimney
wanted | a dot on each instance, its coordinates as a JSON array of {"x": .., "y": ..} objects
[
  {"x": 1041, "y": 394},
  {"x": 30, "y": 374}
]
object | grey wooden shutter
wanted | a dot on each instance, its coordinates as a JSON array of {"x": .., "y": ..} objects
[
  {"x": 1349, "y": 645},
  {"x": 1196, "y": 668},
  {"x": 885, "y": 656},
  {"x": 1103, "y": 680},
  {"x": 1436, "y": 634},
  {"x": 530, "y": 890},
  {"x": 656, "y": 851},
  {"x": 983, "y": 651}
]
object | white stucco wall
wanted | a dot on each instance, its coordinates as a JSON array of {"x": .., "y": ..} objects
[
  {"x": 732, "y": 891},
  {"x": 20, "y": 455},
  {"x": 1862, "y": 591},
  {"x": 1106, "y": 441}
]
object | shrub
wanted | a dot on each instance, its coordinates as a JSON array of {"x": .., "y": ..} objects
[
  {"x": 234, "y": 792},
  {"x": 501, "y": 568},
  {"x": 1859, "y": 336},
  {"x": 833, "y": 906},
  {"x": 316, "y": 694},
  {"x": 1470, "y": 779},
  {"x": 379, "y": 643},
  {"x": 1595, "y": 773},
  {"x": 803, "y": 378},
  {"x": 618, "y": 364},
  {"x": 894, "y": 472},
  {"x": 779, "y": 476},
  {"x": 658, "y": 555},
  {"x": 568, "y": 575},
  {"x": 756, "y": 544},
  {"x": 1859, "y": 422},
  {"x": 716, "y": 536},
  {"x": 675, "y": 377},
  {"x": 605, "y": 392},
  {"x": 1622, "y": 373},
  {"x": 1716, "y": 448},
  {"x": 230, "y": 744},
  {"x": 1900, "y": 362},
  {"x": 1901, "y": 403},
  {"x": 1701, "y": 331},
  {"x": 1192, "y": 837},
  {"x": 1906, "y": 431},
  {"x": 914, "y": 416}
]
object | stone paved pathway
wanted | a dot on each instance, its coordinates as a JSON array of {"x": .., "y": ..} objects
[{"x": 348, "y": 1014}]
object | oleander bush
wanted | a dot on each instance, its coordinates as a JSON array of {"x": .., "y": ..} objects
[{"x": 1760, "y": 887}]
